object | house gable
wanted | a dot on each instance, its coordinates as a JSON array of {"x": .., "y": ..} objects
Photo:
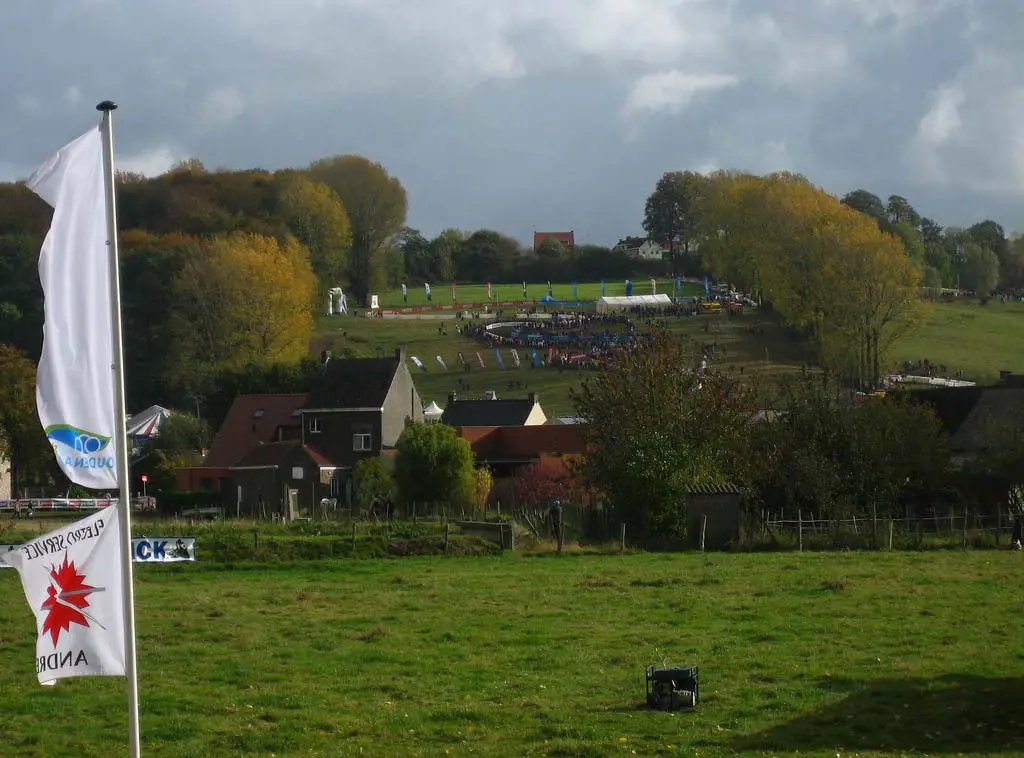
[
  {"x": 402, "y": 405},
  {"x": 253, "y": 420}
]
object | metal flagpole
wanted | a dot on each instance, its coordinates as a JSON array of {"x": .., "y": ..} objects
[{"x": 121, "y": 433}]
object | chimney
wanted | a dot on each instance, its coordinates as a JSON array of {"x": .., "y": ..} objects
[
  {"x": 534, "y": 398},
  {"x": 451, "y": 398}
]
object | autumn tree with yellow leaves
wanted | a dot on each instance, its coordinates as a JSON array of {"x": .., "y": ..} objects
[
  {"x": 241, "y": 300},
  {"x": 823, "y": 267}
]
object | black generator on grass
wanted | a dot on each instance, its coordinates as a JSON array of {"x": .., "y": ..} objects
[{"x": 672, "y": 689}]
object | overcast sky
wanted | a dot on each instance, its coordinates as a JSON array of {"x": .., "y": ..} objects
[{"x": 546, "y": 114}]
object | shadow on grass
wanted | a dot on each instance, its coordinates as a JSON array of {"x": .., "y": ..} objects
[{"x": 953, "y": 714}]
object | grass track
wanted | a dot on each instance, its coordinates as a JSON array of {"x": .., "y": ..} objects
[
  {"x": 963, "y": 335},
  {"x": 867, "y": 653}
]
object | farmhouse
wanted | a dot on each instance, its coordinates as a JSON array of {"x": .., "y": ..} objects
[
  {"x": 642, "y": 248},
  {"x": 566, "y": 238},
  {"x": 282, "y": 453}
]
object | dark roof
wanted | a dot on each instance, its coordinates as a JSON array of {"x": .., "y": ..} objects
[
  {"x": 487, "y": 412},
  {"x": 714, "y": 489},
  {"x": 521, "y": 442},
  {"x": 276, "y": 453},
  {"x": 354, "y": 383},
  {"x": 251, "y": 420}
]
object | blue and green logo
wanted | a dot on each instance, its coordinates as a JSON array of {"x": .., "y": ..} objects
[{"x": 78, "y": 448}]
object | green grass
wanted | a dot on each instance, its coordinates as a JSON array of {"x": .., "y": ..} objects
[
  {"x": 765, "y": 352},
  {"x": 962, "y": 335},
  {"x": 821, "y": 654},
  {"x": 477, "y": 293}
]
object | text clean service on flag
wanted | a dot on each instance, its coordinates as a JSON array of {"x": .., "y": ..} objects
[{"x": 72, "y": 581}]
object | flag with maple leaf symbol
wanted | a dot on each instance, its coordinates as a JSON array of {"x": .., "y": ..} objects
[{"x": 72, "y": 579}]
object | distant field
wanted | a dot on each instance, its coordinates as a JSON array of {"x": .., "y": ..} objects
[
  {"x": 818, "y": 654},
  {"x": 477, "y": 293},
  {"x": 962, "y": 335}
]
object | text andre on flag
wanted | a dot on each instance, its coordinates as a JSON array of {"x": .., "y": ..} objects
[
  {"x": 72, "y": 579},
  {"x": 75, "y": 380}
]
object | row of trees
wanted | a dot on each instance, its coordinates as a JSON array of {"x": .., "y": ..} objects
[
  {"x": 980, "y": 258},
  {"x": 655, "y": 432},
  {"x": 487, "y": 255}
]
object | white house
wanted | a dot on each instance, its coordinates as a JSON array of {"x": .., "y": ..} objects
[{"x": 644, "y": 249}]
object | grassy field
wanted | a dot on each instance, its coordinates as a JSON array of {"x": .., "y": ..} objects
[
  {"x": 821, "y": 654},
  {"x": 477, "y": 293},
  {"x": 962, "y": 335},
  {"x": 980, "y": 339}
]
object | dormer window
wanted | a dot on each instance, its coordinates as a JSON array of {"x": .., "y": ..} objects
[{"x": 314, "y": 425}]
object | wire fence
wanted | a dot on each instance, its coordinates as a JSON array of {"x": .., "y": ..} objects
[{"x": 954, "y": 528}]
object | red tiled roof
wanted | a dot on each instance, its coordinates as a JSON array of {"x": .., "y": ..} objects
[
  {"x": 566, "y": 238},
  {"x": 270, "y": 454},
  {"x": 275, "y": 453},
  {"x": 251, "y": 420},
  {"x": 505, "y": 442}
]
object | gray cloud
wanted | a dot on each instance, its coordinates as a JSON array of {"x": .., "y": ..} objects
[{"x": 521, "y": 113}]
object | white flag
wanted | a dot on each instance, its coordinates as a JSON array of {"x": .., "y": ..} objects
[
  {"x": 72, "y": 580},
  {"x": 75, "y": 380}
]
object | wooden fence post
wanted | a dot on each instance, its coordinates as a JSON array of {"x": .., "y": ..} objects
[
  {"x": 622, "y": 538},
  {"x": 800, "y": 529},
  {"x": 703, "y": 530},
  {"x": 965, "y": 527},
  {"x": 256, "y": 541},
  {"x": 354, "y": 527},
  {"x": 891, "y": 521},
  {"x": 874, "y": 525},
  {"x": 446, "y": 528}
]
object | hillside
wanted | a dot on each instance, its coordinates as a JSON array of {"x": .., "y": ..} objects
[{"x": 963, "y": 335}]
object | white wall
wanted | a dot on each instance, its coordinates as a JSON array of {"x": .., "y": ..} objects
[{"x": 5, "y": 479}]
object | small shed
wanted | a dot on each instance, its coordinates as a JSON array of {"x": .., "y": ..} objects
[{"x": 721, "y": 504}]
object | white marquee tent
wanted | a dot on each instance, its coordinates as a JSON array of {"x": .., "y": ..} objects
[
  {"x": 433, "y": 412},
  {"x": 622, "y": 302}
]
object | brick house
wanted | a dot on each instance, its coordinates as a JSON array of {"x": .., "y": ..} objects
[
  {"x": 507, "y": 450},
  {"x": 566, "y": 238},
  {"x": 308, "y": 444},
  {"x": 252, "y": 420}
]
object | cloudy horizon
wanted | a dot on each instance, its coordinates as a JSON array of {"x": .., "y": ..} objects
[{"x": 519, "y": 114}]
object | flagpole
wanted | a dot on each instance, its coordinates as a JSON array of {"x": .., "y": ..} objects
[{"x": 121, "y": 431}]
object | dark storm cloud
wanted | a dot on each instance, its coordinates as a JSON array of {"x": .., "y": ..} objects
[{"x": 515, "y": 114}]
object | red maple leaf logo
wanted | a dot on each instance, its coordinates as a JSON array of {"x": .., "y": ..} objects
[{"x": 68, "y": 597}]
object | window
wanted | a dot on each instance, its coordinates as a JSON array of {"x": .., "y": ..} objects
[
  {"x": 314, "y": 425},
  {"x": 362, "y": 438},
  {"x": 335, "y": 486},
  {"x": 297, "y": 472}
]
